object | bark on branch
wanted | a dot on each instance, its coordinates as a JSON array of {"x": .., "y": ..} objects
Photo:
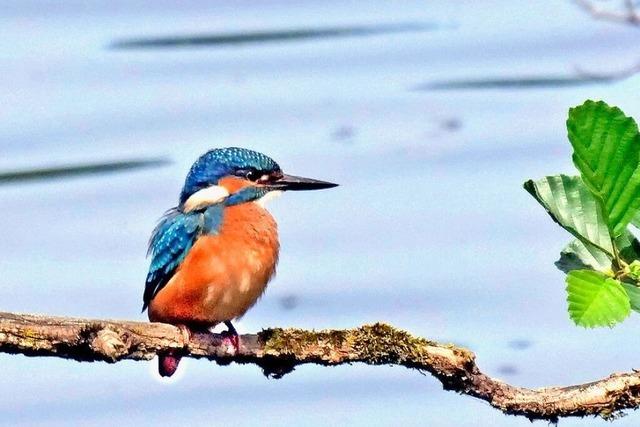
[{"x": 278, "y": 351}]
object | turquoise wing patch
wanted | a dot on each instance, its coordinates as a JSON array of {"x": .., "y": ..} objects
[
  {"x": 170, "y": 242},
  {"x": 174, "y": 236}
]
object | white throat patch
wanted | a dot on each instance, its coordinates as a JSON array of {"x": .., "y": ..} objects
[
  {"x": 262, "y": 201},
  {"x": 205, "y": 197}
]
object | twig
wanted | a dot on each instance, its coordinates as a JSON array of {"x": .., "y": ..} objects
[
  {"x": 628, "y": 16},
  {"x": 279, "y": 351},
  {"x": 610, "y": 75}
]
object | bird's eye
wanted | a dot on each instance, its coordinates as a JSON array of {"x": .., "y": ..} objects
[{"x": 253, "y": 175}]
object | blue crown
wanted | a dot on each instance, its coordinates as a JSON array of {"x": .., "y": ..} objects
[{"x": 221, "y": 162}]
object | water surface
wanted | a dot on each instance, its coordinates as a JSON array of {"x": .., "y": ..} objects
[{"x": 430, "y": 229}]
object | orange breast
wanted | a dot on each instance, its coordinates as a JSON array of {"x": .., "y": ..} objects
[{"x": 223, "y": 275}]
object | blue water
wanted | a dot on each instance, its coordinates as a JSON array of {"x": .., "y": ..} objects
[{"x": 430, "y": 229}]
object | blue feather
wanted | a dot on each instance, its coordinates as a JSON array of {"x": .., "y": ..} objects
[
  {"x": 247, "y": 194},
  {"x": 221, "y": 162},
  {"x": 213, "y": 218},
  {"x": 173, "y": 237}
]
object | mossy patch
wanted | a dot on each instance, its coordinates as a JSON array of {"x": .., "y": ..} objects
[{"x": 374, "y": 344}]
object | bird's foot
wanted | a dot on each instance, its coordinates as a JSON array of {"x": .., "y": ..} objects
[
  {"x": 169, "y": 361},
  {"x": 231, "y": 337}
]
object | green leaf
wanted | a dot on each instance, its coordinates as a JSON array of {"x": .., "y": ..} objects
[
  {"x": 628, "y": 246},
  {"x": 606, "y": 146},
  {"x": 595, "y": 299},
  {"x": 633, "y": 292},
  {"x": 578, "y": 256},
  {"x": 636, "y": 220},
  {"x": 634, "y": 270},
  {"x": 573, "y": 207}
]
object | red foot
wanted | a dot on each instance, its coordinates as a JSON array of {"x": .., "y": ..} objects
[
  {"x": 232, "y": 339},
  {"x": 168, "y": 362},
  {"x": 231, "y": 336}
]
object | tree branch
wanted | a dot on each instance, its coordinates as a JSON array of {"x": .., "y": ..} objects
[
  {"x": 279, "y": 351},
  {"x": 627, "y": 16},
  {"x": 626, "y": 13}
]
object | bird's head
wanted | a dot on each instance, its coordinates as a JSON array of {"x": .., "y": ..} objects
[{"x": 238, "y": 175}]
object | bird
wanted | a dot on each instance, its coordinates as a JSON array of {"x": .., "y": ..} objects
[{"x": 213, "y": 254}]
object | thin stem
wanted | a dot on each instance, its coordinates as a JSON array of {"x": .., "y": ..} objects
[{"x": 616, "y": 262}]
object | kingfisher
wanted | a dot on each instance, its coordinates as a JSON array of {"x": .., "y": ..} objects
[{"x": 214, "y": 253}]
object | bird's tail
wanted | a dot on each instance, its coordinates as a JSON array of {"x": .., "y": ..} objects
[{"x": 168, "y": 364}]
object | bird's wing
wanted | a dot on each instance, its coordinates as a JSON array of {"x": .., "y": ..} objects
[{"x": 172, "y": 238}]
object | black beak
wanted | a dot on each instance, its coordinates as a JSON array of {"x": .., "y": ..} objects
[{"x": 296, "y": 183}]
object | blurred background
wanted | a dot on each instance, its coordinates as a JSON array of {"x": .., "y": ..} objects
[{"x": 430, "y": 114}]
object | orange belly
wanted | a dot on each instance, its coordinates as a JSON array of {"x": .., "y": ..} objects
[{"x": 223, "y": 274}]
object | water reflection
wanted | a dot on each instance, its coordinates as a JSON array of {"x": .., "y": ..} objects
[
  {"x": 70, "y": 171},
  {"x": 288, "y": 35},
  {"x": 517, "y": 83}
]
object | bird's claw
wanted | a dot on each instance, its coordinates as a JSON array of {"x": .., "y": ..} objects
[{"x": 231, "y": 337}]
